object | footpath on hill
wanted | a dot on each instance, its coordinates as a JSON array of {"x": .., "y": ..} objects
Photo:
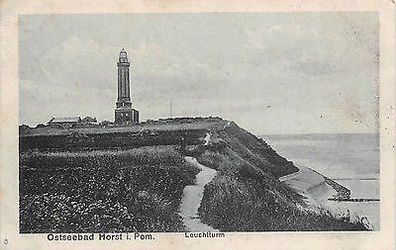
[{"x": 192, "y": 196}]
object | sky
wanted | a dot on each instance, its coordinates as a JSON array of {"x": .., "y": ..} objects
[{"x": 271, "y": 73}]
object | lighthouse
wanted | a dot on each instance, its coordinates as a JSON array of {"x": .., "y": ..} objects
[{"x": 124, "y": 113}]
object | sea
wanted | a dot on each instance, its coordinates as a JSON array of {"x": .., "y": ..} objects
[{"x": 352, "y": 160}]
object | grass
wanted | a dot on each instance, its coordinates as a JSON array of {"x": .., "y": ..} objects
[
  {"x": 256, "y": 151},
  {"x": 246, "y": 194},
  {"x": 241, "y": 204},
  {"x": 171, "y": 124},
  {"x": 103, "y": 191},
  {"x": 243, "y": 197},
  {"x": 64, "y": 188},
  {"x": 76, "y": 140}
]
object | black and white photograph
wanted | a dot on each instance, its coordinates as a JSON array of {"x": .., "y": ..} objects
[
  {"x": 199, "y": 122},
  {"x": 214, "y": 124}
]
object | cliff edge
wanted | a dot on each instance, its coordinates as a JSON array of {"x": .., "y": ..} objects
[{"x": 142, "y": 169}]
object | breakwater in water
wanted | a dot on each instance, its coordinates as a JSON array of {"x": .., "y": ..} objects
[
  {"x": 349, "y": 161},
  {"x": 353, "y": 200},
  {"x": 343, "y": 193}
]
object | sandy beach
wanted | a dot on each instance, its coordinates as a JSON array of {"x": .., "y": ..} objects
[{"x": 317, "y": 191}]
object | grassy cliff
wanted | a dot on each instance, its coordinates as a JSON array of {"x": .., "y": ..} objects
[
  {"x": 246, "y": 194},
  {"x": 134, "y": 178}
]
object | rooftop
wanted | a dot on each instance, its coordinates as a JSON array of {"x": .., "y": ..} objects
[{"x": 65, "y": 119}]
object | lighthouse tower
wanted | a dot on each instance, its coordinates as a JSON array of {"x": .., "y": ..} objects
[{"x": 124, "y": 113}]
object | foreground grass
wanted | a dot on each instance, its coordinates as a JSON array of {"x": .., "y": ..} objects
[{"x": 103, "y": 191}]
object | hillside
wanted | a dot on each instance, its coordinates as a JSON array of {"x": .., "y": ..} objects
[{"x": 132, "y": 178}]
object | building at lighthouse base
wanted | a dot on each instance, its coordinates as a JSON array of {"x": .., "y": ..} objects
[{"x": 125, "y": 114}]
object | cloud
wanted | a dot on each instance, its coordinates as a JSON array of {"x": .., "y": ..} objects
[
  {"x": 311, "y": 50},
  {"x": 233, "y": 65},
  {"x": 84, "y": 72}
]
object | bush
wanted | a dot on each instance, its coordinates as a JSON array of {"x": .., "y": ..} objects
[
  {"x": 241, "y": 205},
  {"x": 103, "y": 191}
]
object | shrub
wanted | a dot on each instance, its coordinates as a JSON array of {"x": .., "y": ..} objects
[{"x": 103, "y": 191}]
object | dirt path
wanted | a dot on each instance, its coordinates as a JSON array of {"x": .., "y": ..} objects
[{"x": 192, "y": 196}]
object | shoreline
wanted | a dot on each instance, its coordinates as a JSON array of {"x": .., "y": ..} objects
[
  {"x": 315, "y": 187},
  {"x": 322, "y": 192},
  {"x": 343, "y": 193}
]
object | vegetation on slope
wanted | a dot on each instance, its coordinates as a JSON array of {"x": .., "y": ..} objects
[
  {"x": 103, "y": 191},
  {"x": 65, "y": 187},
  {"x": 246, "y": 194},
  {"x": 243, "y": 198}
]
